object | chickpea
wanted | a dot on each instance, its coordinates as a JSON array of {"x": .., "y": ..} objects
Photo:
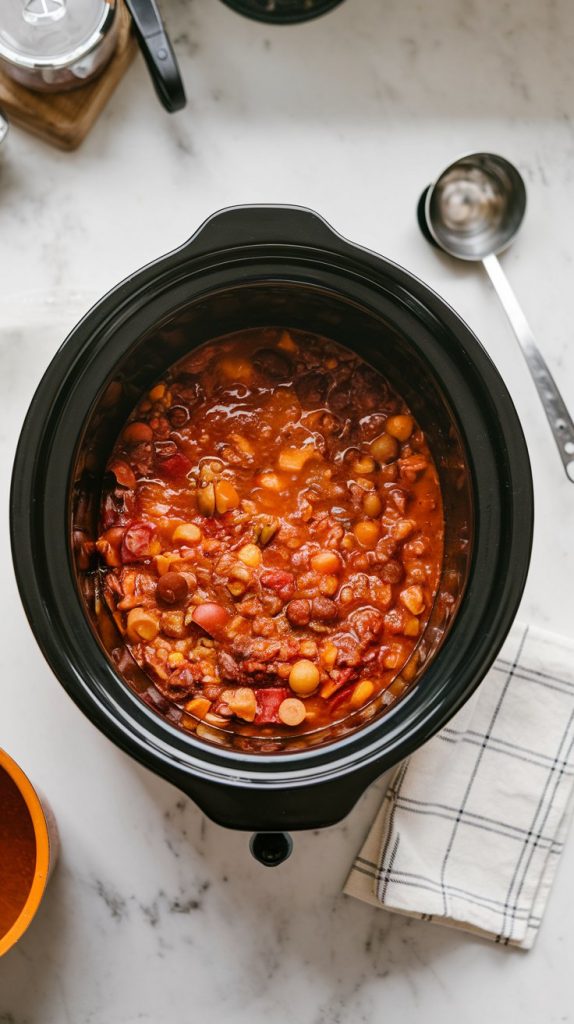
[
  {"x": 326, "y": 562},
  {"x": 367, "y": 532},
  {"x": 400, "y": 427},
  {"x": 329, "y": 654},
  {"x": 364, "y": 464},
  {"x": 372, "y": 505},
  {"x": 142, "y": 625},
  {"x": 362, "y": 693},
  {"x": 384, "y": 448},
  {"x": 329, "y": 586},
  {"x": 156, "y": 394},
  {"x": 250, "y": 555},
  {"x": 187, "y": 533},
  {"x": 292, "y": 711},
  {"x": 304, "y": 677}
]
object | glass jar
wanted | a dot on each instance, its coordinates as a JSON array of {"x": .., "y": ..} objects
[{"x": 54, "y": 45}]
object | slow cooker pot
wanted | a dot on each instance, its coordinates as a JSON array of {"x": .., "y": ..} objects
[{"x": 281, "y": 266}]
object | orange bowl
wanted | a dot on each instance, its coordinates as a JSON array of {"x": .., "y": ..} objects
[{"x": 28, "y": 848}]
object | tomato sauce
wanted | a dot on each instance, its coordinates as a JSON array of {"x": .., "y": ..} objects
[
  {"x": 271, "y": 537},
  {"x": 17, "y": 852}
]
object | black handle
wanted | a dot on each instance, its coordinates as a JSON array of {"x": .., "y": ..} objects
[
  {"x": 259, "y": 225},
  {"x": 158, "y": 53}
]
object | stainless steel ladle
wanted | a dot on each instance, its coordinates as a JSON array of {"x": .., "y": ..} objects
[{"x": 473, "y": 211}]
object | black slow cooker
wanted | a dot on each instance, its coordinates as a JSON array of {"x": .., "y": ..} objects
[{"x": 274, "y": 266}]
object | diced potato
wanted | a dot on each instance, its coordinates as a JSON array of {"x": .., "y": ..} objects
[
  {"x": 237, "y": 369},
  {"x": 187, "y": 533},
  {"x": 250, "y": 555},
  {"x": 226, "y": 496},
  {"x": 198, "y": 706},
  {"x": 362, "y": 693},
  {"x": 292, "y": 460},
  {"x": 413, "y": 599}
]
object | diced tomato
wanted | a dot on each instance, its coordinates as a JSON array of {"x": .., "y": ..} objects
[
  {"x": 283, "y": 583},
  {"x": 340, "y": 697},
  {"x": 269, "y": 700},
  {"x": 333, "y": 685},
  {"x": 175, "y": 465},
  {"x": 211, "y": 617}
]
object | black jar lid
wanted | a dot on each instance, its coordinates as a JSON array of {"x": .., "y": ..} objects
[{"x": 282, "y": 12}]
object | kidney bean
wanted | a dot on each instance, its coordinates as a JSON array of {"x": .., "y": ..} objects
[
  {"x": 392, "y": 571},
  {"x": 299, "y": 612},
  {"x": 324, "y": 609},
  {"x": 367, "y": 623},
  {"x": 181, "y": 684},
  {"x": 172, "y": 588}
]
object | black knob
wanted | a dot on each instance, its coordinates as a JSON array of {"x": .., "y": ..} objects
[{"x": 271, "y": 848}]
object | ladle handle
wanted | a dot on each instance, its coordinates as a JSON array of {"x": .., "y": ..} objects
[{"x": 559, "y": 418}]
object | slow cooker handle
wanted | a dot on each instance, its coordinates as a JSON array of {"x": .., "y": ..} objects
[
  {"x": 239, "y": 226},
  {"x": 271, "y": 813}
]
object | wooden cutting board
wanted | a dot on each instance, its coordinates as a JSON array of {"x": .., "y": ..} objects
[{"x": 65, "y": 118}]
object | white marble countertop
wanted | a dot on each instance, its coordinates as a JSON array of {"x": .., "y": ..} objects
[{"x": 155, "y": 914}]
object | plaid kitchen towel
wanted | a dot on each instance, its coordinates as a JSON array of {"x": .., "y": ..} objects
[{"x": 473, "y": 824}]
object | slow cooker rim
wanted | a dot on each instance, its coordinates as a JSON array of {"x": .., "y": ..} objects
[{"x": 87, "y": 326}]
